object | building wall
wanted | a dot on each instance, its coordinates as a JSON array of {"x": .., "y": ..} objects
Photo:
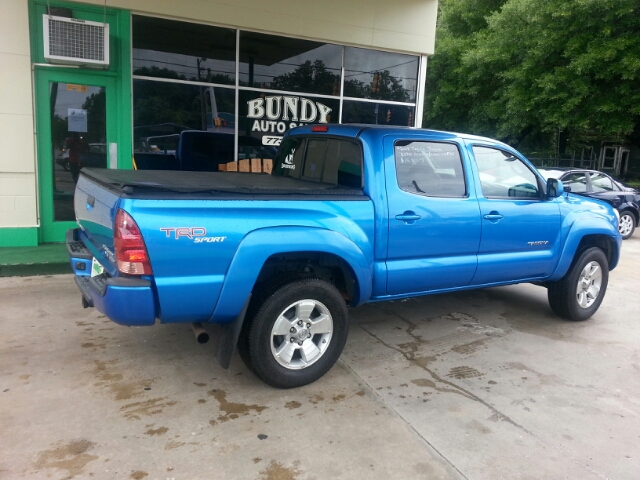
[
  {"x": 18, "y": 202},
  {"x": 402, "y": 25}
]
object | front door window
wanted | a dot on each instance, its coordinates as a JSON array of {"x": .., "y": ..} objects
[{"x": 78, "y": 139}]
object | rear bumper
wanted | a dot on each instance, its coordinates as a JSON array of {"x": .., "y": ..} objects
[{"x": 126, "y": 301}]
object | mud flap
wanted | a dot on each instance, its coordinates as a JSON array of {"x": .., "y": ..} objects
[{"x": 227, "y": 335}]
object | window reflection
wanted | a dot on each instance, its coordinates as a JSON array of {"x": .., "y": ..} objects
[
  {"x": 187, "y": 51},
  {"x": 163, "y": 111},
  {"x": 291, "y": 64},
  {"x": 380, "y": 75},
  {"x": 377, "y": 113},
  {"x": 78, "y": 137}
]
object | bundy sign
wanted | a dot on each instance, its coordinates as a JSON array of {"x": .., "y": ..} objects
[{"x": 277, "y": 114}]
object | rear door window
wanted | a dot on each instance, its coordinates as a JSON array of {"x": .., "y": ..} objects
[
  {"x": 601, "y": 183},
  {"x": 429, "y": 168}
]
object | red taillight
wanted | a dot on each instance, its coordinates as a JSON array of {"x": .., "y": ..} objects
[
  {"x": 320, "y": 128},
  {"x": 131, "y": 253}
]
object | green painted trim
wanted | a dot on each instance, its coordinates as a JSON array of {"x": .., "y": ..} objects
[
  {"x": 19, "y": 237},
  {"x": 124, "y": 112},
  {"x": 116, "y": 80},
  {"x": 54, "y": 231}
]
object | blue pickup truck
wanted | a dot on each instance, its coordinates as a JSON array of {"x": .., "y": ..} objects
[{"x": 350, "y": 214}]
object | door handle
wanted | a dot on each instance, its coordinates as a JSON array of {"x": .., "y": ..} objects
[
  {"x": 408, "y": 217},
  {"x": 493, "y": 216}
]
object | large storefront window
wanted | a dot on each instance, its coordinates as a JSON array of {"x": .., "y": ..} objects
[
  {"x": 377, "y": 113},
  {"x": 185, "y": 91},
  {"x": 162, "y": 111},
  {"x": 290, "y": 64},
  {"x": 269, "y": 115},
  {"x": 380, "y": 75},
  {"x": 187, "y": 51}
]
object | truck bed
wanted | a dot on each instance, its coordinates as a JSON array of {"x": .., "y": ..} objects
[{"x": 166, "y": 184}]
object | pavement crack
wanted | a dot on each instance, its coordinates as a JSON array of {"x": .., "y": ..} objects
[{"x": 456, "y": 389}]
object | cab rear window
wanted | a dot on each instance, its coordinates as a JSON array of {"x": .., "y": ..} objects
[{"x": 320, "y": 159}]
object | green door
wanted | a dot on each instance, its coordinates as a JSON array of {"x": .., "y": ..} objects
[{"x": 77, "y": 128}]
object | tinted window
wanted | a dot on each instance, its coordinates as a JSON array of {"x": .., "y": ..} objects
[
  {"x": 289, "y": 159},
  {"x": 504, "y": 175},
  {"x": 188, "y": 51},
  {"x": 332, "y": 161},
  {"x": 429, "y": 168}
]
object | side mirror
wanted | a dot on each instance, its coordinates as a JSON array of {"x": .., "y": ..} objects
[{"x": 554, "y": 188}]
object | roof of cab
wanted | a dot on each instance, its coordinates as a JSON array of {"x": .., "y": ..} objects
[{"x": 355, "y": 130}]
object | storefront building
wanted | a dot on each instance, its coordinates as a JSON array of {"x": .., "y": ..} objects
[{"x": 186, "y": 85}]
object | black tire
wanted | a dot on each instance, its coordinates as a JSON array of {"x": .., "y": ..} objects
[
  {"x": 578, "y": 295},
  {"x": 297, "y": 334},
  {"x": 627, "y": 224},
  {"x": 257, "y": 299}
]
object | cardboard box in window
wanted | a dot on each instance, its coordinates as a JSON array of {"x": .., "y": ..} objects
[
  {"x": 267, "y": 165},
  {"x": 244, "y": 165},
  {"x": 222, "y": 167},
  {"x": 256, "y": 165},
  {"x": 232, "y": 167}
]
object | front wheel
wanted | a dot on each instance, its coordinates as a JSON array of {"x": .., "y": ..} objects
[
  {"x": 297, "y": 334},
  {"x": 626, "y": 225},
  {"x": 578, "y": 295}
]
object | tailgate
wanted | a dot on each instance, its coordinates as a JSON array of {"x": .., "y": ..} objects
[{"x": 95, "y": 207}]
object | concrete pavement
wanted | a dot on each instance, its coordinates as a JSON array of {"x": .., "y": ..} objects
[{"x": 482, "y": 385}]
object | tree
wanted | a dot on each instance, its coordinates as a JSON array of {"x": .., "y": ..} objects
[{"x": 537, "y": 68}]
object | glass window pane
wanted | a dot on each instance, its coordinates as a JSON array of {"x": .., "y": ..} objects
[
  {"x": 188, "y": 51},
  {"x": 267, "y": 116},
  {"x": 291, "y": 64},
  {"x": 601, "y": 183},
  {"x": 430, "y": 168},
  {"x": 314, "y": 163},
  {"x": 377, "y": 113},
  {"x": 288, "y": 162},
  {"x": 576, "y": 181},
  {"x": 79, "y": 139},
  {"x": 329, "y": 160},
  {"x": 343, "y": 165},
  {"x": 163, "y": 111},
  {"x": 503, "y": 175},
  {"x": 381, "y": 75}
]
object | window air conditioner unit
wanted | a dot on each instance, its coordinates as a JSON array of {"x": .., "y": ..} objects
[{"x": 70, "y": 41}]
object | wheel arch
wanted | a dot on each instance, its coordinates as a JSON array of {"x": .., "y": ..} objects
[
  {"x": 269, "y": 252},
  {"x": 586, "y": 234}
]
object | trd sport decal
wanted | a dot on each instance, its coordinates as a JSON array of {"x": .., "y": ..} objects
[{"x": 197, "y": 234}]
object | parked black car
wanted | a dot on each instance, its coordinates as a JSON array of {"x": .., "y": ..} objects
[{"x": 592, "y": 183}]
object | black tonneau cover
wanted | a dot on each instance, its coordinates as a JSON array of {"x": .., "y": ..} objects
[{"x": 148, "y": 182}]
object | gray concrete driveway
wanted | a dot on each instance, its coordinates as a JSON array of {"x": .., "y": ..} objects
[{"x": 482, "y": 385}]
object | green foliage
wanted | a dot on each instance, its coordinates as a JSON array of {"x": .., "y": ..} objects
[{"x": 523, "y": 70}]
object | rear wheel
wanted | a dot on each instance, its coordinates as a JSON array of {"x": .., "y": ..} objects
[
  {"x": 578, "y": 295},
  {"x": 626, "y": 225},
  {"x": 297, "y": 334}
]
